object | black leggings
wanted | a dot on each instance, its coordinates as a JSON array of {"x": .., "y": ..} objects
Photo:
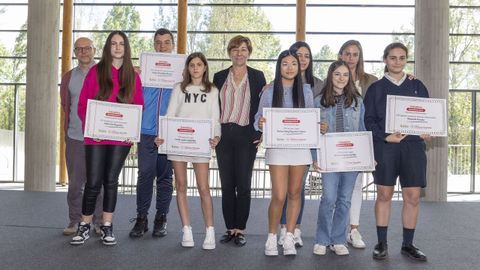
[{"x": 104, "y": 163}]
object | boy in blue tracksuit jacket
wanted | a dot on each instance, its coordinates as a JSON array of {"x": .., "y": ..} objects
[{"x": 152, "y": 165}]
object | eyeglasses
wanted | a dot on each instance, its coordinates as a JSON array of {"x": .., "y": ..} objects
[{"x": 83, "y": 49}]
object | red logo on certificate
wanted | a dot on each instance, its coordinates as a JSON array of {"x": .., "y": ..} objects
[
  {"x": 415, "y": 109},
  {"x": 291, "y": 120},
  {"x": 113, "y": 114},
  {"x": 186, "y": 130},
  {"x": 163, "y": 64},
  {"x": 346, "y": 144}
]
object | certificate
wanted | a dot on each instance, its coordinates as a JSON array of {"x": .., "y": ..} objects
[
  {"x": 185, "y": 136},
  {"x": 416, "y": 116},
  {"x": 161, "y": 70},
  {"x": 113, "y": 121},
  {"x": 346, "y": 152},
  {"x": 291, "y": 127}
]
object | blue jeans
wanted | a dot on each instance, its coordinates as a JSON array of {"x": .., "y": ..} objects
[
  {"x": 151, "y": 165},
  {"x": 334, "y": 207},
  {"x": 283, "y": 220}
]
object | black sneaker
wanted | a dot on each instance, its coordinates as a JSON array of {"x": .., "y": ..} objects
[
  {"x": 160, "y": 226},
  {"x": 140, "y": 227},
  {"x": 82, "y": 234},
  {"x": 413, "y": 253},
  {"x": 107, "y": 235}
]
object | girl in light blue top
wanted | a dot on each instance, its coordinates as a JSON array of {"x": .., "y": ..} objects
[
  {"x": 341, "y": 107},
  {"x": 286, "y": 166}
]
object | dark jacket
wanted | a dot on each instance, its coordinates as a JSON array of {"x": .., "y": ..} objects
[{"x": 256, "y": 81}]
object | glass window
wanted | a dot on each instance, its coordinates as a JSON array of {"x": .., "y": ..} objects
[{"x": 459, "y": 141}]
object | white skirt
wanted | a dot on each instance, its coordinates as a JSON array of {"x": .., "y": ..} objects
[
  {"x": 281, "y": 156},
  {"x": 188, "y": 159}
]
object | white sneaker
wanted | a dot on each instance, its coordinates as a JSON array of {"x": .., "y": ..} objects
[
  {"x": 187, "y": 238},
  {"x": 281, "y": 238},
  {"x": 319, "y": 250},
  {"x": 271, "y": 245},
  {"x": 354, "y": 238},
  {"x": 340, "y": 250},
  {"x": 289, "y": 245},
  {"x": 209, "y": 242},
  {"x": 297, "y": 237}
]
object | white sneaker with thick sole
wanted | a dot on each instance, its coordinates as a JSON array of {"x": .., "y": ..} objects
[
  {"x": 271, "y": 245},
  {"x": 354, "y": 238},
  {"x": 340, "y": 250},
  {"x": 319, "y": 250},
  {"x": 297, "y": 237},
  {"x": 82, "y": 234},
  {"x": 187, "y": 238},
  {"x": 289, "y": 245},
  {"x": 281, "y": 237},
  {"x": 209, "y": 242}
]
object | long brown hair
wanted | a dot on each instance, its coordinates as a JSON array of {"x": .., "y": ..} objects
[
  {"x": 126, "y": 72},
  {"x": 187, "y": 78},
  {"x": 328, "y": 93},
  {"x": 359, "y": 70}
]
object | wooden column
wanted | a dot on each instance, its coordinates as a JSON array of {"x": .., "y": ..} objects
[
  {"x": 67, "y": 48},
  {"x": 301, "y": 16},
  {"x": 431, "y": 66},
  {"x": 182, "y": 26}
]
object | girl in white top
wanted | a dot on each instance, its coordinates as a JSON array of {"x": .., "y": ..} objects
[{"x": 195, "y": 97}]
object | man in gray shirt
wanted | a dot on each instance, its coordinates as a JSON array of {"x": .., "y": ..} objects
[{"x": 70, "y": 88}]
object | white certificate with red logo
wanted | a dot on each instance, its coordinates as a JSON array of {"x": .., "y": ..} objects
[
  {"x": 113, "y": 121},
  {"x": 161, "y": 70},
  {"x": 346, "y": 152},
  {"x": 416, "y": 116},
  {"x": 185, "y": 136},
  {"x": 291, "y": 127}
]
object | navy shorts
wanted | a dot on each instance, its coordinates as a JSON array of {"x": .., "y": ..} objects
[{"x": 406, "y": 160}]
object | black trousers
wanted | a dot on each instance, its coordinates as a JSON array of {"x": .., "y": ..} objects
[
  {"x": 104, "y": 163},
  {"x": 235, "y": 156}
]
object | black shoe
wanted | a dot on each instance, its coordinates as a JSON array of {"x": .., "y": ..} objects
[
  {"x": 413, "y": 253},
  {"x": 380, "y": 252},
  {"x": 240, "y": 239},
  {"x": 141, "y": 226},
  {"x": 107, "y": 235},
  {"x": 82, "y": 234},
  {"x": 160, "y": 226},
  {"x": 227, "y": 237}
]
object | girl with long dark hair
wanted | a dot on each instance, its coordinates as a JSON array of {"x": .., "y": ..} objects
[
  {"x": 286, "y": 166},
  {"x": 114, "y": 80}
]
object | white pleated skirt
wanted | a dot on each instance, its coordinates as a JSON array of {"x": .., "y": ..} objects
[{"x": 281, "y": 156}]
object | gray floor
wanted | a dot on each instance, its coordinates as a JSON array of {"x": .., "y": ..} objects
[{"x": 31, "y": 226}]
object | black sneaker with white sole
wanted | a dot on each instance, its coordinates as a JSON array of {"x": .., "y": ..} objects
[
  {"x": 82, "y": 234},
  {"x": 107, "y": 235}
]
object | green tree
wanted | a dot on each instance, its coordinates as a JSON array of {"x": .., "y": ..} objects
[
  {"x": 324, "y": 58},
  {"x": 13, "y": 71},
  {"x": 124, "y": 18}
]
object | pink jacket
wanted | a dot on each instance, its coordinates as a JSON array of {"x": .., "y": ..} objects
[{"x": 89, "y": 91}]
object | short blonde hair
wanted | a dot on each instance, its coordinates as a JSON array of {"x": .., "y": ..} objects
[{"x": 237, "y": 41}]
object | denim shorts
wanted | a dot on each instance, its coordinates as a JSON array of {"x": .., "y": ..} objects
[{"x": 406, "y": 160}]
